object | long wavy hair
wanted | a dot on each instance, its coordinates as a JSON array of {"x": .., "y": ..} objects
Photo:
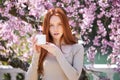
[{"x": 67, "y": 37}]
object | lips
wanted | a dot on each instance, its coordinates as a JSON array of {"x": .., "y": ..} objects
[{"x": 56, "y": 34}]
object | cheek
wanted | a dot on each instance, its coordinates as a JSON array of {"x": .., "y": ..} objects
[
  {"x": 61, "y": 30},
  {"x": 50, "y": 31}
]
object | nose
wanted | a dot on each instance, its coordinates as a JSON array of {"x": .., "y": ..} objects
[{"x": 55, "y": 28}]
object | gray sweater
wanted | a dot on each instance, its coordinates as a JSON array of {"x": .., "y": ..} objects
[{"x": 64, "y": 66}]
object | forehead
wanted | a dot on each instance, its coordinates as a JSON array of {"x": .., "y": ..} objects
[{"x": 55, "y": 19}]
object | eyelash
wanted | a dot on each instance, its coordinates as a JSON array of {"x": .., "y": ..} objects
[
  {"x": 58, "y": 24},
  {"x": 51, "y": 25}
]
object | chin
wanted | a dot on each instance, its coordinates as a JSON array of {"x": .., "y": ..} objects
[{"x": 56, "y": 38}]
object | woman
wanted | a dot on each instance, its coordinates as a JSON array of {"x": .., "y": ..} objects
[{"x": 61, "y": 58}]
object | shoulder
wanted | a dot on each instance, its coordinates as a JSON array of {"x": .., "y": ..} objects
[
  {"x": 78, "y": 46},
  {"x": 77, "y": 49}
]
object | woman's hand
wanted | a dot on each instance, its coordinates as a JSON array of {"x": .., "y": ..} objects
[
  {"x": 51, "y": 48},
  {"x": 36, "y": 48}
]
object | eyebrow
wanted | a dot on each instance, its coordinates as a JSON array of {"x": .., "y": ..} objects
[{"x": 57, "y": 23}]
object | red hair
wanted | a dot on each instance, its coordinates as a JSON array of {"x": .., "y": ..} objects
[{"x": 67, "y": 37}]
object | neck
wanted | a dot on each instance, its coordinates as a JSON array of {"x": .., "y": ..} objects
[{"x": 57, "y": 42}]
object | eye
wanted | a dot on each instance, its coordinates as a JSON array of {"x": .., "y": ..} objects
[
  {"x": 51, "y": 25},
  {"x": 60, "y": 24}
]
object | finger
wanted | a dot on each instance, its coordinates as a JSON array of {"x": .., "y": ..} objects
[
  {"x": 38, "y": 48},
  {"x": 44, "y": 46},
  {"x": 48, "y": 43},
  {"x": 33, "y": 37},
  {"x": 34, "y": 41}
]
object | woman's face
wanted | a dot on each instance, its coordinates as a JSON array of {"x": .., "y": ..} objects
[{"x": 56, "y": 28}]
